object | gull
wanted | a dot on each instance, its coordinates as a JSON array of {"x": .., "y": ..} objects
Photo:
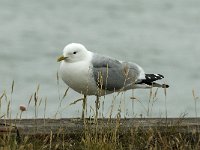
[{"x": 90, "y": 73}]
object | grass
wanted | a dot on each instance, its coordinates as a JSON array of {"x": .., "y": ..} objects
[
  {"x": 105, "y": 136},
  {"x": 101, "y": 134}
]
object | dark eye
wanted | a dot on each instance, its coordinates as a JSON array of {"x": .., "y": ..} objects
[{"x": 74, "y": 52}]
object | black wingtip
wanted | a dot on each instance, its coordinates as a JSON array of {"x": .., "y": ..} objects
[
  {"x": 159, "y": 75},
  {"x": 153, "y": 77},
  {"x": 165, "y": 86}
]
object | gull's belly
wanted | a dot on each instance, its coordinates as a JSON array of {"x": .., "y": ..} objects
[{"x": 79, "y": 77}]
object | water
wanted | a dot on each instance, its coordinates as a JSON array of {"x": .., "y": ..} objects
[{"x": 161, "y": 36}]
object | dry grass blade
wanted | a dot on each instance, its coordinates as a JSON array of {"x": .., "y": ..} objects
[
  {"x": 194, "y": 95},
  {"x": 40, "y": 102},
  {"x": 141, "y": 104},
  {"x": 38, "y": 87},
  {"x": 2, "y": 96},
  {"x": 150, "y": 93},
  {"x": 30, "y": 100},
  {"x": 35, "y": 98},
  {"x": 76, "y": 101},
  {"x": 57, "y": 77},
  {"x": 8, "y": 109},
  {"x": 92, "y": 110},
  {"x": 195, "y": 102},
  {"x": 133, "y": 98},
  {"x": 6, "y": 97},
  {"x": 155, "y": 94},
  {"x": 165, "y": 91},
  {"x": 65, "y": 94},
  {"x": 13, "y": 84},
  {"x": 149, "y": 102},
  {"x": 45, "y": 107},
  {"x": 2, "y": 116},
  {"x": 51, "y": 138},
  {"x": 110, "y": 111}
]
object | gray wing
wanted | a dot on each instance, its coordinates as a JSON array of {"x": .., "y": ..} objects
[{"x": 111, "y": 74}]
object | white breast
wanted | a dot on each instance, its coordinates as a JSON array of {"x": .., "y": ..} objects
[{"x": 79, "y": 76}]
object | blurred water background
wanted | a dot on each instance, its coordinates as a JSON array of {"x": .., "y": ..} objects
[{"x": 162, "y": 36}]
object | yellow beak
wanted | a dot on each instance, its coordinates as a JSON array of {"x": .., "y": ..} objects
[{"x": 61, "y": 58}]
